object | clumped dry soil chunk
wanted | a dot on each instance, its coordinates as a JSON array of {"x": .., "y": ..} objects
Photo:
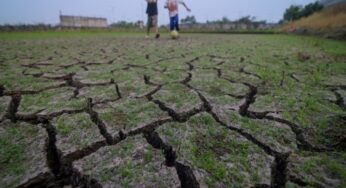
[
  {"x": 135, "y": 87},
  {"x": 49, "y": 101},
  {"x": 131, "y": 163},
  {"x": 219, "y": 158},
  {"x": 22, "y": 153},
  {"x": 99, "y": 93},
  {"x": 324, "y": 169},
  {"x": 178, "y": 97},
  {"x": 128, "y": 114},
  {"x": 4, "y": 101},
  {"x": 75, "y": 132}
]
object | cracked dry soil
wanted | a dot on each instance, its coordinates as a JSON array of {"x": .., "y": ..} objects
[{"x": 215, "y": 111}]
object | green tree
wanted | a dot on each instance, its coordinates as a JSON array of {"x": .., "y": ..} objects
[
  {"x": 245, "y": 20},
  {"x": 292, "y": 13},
  {"x": 225, "y": 20},
  {"x": 189, "y": 20},
  {"x": 295, "y": 12},
  {"x": 123, "y": 24},
  {"x": 310, "y": 9}
]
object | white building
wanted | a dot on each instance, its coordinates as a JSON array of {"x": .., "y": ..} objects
[{"x": 79, "y": 21}]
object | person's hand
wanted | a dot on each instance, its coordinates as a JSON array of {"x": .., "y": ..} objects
[{"x": 189, "y": 10}]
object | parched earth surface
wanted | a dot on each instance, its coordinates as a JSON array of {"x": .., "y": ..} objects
[{"x": 201, "y": 111}]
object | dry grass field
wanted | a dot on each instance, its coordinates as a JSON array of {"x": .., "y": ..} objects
[{"x": 81, "y": 109}]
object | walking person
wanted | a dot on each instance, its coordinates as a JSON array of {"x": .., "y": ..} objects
[
  {"x": 173, "y": 9},
  {"x": 152, "y": 13}
]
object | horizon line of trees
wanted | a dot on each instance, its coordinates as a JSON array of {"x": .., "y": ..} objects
[
  {"x": 127, "y": 24},
  {"x": 224, "y": 20}
]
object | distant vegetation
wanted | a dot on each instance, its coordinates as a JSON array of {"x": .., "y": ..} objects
[
  {"x": 244, "y": 20},
  {"x": 27, "y": 27},
  {"x": 296, "y": 12},
  {"x": 329, "y": 22},
  {"x": 123, "y": 24},
  {"x": 189, "y": 20}
]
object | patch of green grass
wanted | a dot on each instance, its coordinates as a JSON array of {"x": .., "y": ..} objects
[
  {"x": 310, "y": 165},
  {"x": 211, "y": 181},
  {"x": 211, "y": 164},
  {"x": 204, "y": 119},
  {"x": 208, "y": 157},
  {"x": 127, "y": 149},
  {"x": 114, "y": 117},
  {"x": 256, "y": 178},
  {"x": 337, "y": 168},
  {"x": 12, "y": 149},
  {"x": 132, "y": 113},
  {"x": 148, "y": 156},
  {"x": 62, "y": 127},
  {"x": 11, "y": 154},
  {"x": 127, "y": 172},
  {"x": 106, "y": 175},
  {"x": 178, "y": 95},
  {"x": 325, "y": 166},
  {"x": 76, "y": 104}
]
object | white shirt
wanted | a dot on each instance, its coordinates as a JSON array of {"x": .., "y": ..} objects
[{"x": 173, "y": 7}]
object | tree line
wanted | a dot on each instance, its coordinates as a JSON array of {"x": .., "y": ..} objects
[
  {"x": 223, "y": 20},
  {"x": 296, "y": 12}
]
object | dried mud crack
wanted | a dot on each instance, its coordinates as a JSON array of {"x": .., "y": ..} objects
[
  {"x": 100, "y": 124},
  {"x": 93, "y": 104},
  {"x": 185, "y": 173}
]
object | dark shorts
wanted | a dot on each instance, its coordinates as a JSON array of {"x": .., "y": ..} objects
[{"x": 152, "y": 21}]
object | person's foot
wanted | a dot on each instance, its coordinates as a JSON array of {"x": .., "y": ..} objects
[
  {"x": 146, "y": 36},
  {"x": 157, "y": 35}
]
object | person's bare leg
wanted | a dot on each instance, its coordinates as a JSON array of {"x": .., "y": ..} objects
[
  {"x": 157, "y": 32},
  {"x": 157, "y": 27},
  {"x": 148, "y": 28},
  {"x": 148, "y": 32}
]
